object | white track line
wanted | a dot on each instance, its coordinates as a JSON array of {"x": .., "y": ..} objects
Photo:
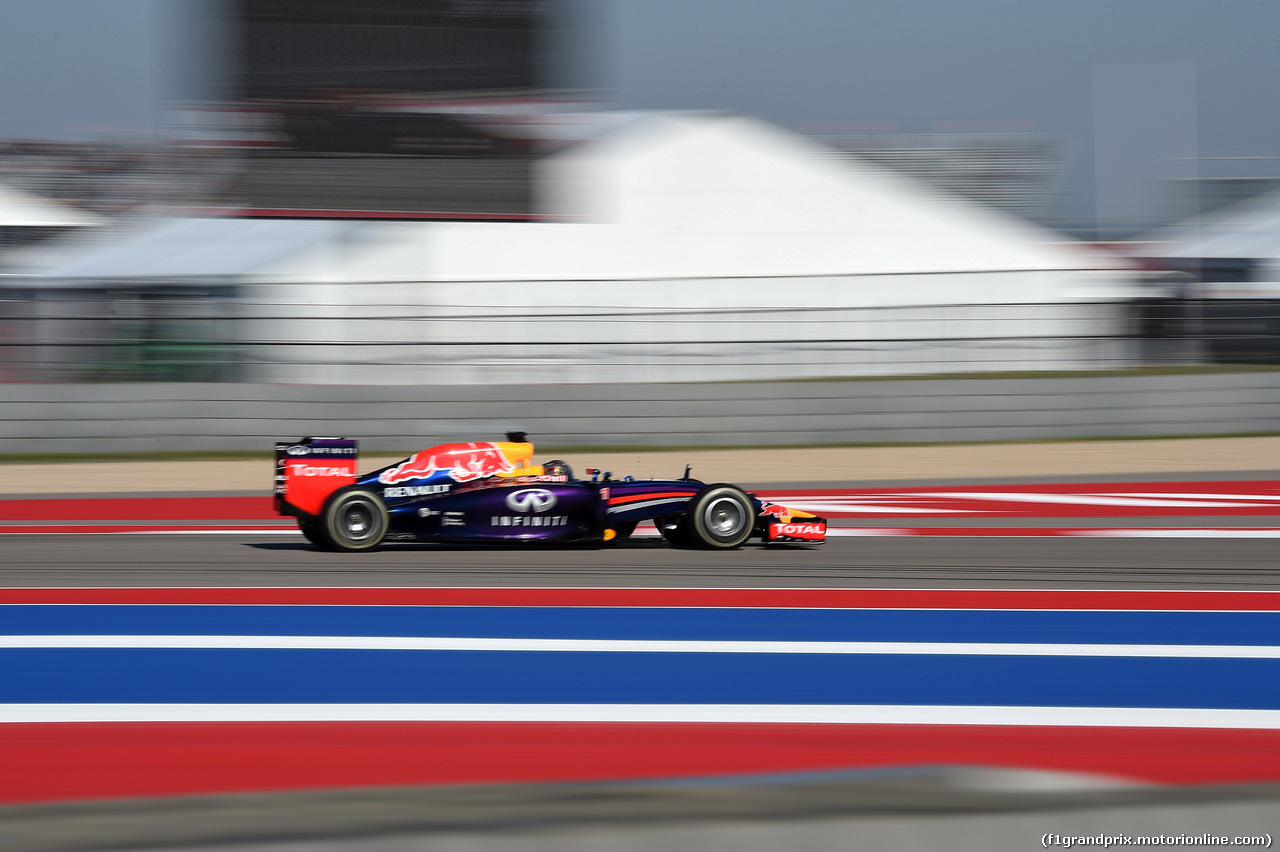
[
  {"x": 1208, "y": 532},
  {"x": 839, "y": 714},
  {"x": 1087, "y": 500},
  {"x": 666, "y": 646},
  {"x": 1030, "y": 532}
]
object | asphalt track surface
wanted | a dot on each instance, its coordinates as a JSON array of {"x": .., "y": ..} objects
[{"x": 249, "y": 559}]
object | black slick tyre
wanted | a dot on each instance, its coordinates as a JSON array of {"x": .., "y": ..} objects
[
  {"x": 354, "y": 519},
  {"x": 720, "y": 517}
]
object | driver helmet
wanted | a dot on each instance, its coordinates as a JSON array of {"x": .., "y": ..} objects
[{"x": 557, "y": 467}]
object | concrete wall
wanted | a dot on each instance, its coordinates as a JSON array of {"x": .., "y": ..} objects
[{"x": 49, "y": 418}]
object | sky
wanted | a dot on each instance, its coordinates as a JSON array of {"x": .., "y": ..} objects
[
  {"x": 917, "y": 62},
  {"x": 908, "y": 62},
  {"x": 1138, "y": 92},
  {"x": 79, "y": 68},
  {"x": 67, "y": 64},
  {"x": 1124, "y": 83}
]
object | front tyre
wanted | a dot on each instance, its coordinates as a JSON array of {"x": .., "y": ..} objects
[
  {"x": 354, "y": 519},
  {"x": 721, "y": 517}
]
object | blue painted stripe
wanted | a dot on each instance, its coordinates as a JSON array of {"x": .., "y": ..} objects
[
  {"x": 309, "y": 676},
  {"x": 1052, "y": 627}
]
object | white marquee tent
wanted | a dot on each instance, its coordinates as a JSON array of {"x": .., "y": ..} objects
[
  {"x": 679, "y": 246},
  {"x": 20, "y": 209},
  {"x": 1245, "y": 235},
  {"x": 26, "y": 219},
  {"x": 719, "y": 247}
]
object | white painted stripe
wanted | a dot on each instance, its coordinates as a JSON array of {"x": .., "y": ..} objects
[
  {"x": 868, "y": 531},
  {"x": 832, "y": 532},
  {"x": 838, "y": 714},
  {"x": 1083, "y": 499},
  {"x": 822, "y": 506},
  {"x": 96, "y": 529},
  {"x": 887, "y": 497},
  {"x": 836, "y": 532},
  {"x": 1171, "y": 495},
  {"x": 262, "y": 523},
  {"x": 665, "y": 646},
  {"x": 1260, "y": 532},
  {"x": 1115, "y": 532},
  {"x": 249, "y": 531}
]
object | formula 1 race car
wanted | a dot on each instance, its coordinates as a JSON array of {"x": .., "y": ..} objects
[{"x": 489, "y": 492}]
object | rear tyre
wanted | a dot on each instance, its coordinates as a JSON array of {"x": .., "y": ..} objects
[
  {"x": 354, "y": 519},
  {"x": 721, "y": 517}
]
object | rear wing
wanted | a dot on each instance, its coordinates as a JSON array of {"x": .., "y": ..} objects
[{"x": 309, "y": 470}]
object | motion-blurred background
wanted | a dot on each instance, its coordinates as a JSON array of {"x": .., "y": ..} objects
[
  {"x": 526, "y": 192},
  {"x": 654, "y": 223}
]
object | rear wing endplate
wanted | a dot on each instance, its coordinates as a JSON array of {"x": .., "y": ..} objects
[{"x": 309, "y": 470}]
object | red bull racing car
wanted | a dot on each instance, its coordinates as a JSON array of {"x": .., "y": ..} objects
[{"x": 491, "y": 492}]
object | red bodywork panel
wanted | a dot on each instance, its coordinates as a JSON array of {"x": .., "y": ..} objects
[{"x": 308, "y": 471}]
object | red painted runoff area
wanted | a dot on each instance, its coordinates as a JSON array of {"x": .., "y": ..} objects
[
  {"x": 49, "y": 762},
  {"x": 98, "y": 510}
]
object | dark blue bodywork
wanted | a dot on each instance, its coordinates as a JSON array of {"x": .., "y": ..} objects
[{"x": 437, "y": 508}]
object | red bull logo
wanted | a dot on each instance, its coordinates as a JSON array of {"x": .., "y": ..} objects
[
  {"x": 776, "y": 511},
  {"x": 464, "y": 463}
]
